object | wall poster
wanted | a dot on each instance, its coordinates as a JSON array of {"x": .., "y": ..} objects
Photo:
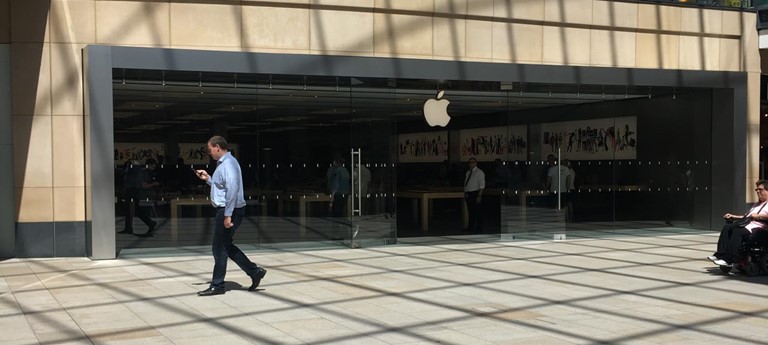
[
  {"x": 608, "y": 138},
  {"x": 198, "y": 153},
  {"x": 423, "y": 147},
  {"x": 138, "y": 153},
  {"x": 487, "y": 144}
]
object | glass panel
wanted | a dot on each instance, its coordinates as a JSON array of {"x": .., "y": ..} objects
[
  {"x": 304, "y": 160},
  {"x": 373, "y": 137},
  {"x": 433, "y": 152},
  {"x": 666, "y": 187},
  {"x": 537, "y": 200},
  {"x": 429, "y": 182}
]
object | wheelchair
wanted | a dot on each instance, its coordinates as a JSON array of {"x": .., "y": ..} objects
[{"x": 753, "y": 255}]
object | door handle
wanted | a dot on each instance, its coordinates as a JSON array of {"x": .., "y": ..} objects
[{"x": 357, "y": 197}]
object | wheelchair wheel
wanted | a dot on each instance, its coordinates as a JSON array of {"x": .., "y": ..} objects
[
  {"x": 725, "y": 269},
  {"x": 764, "y": 263},
  {"x": 752, "y": 269}
]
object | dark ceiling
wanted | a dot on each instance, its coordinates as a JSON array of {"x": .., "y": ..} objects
[{"x": 152, "y": 102}]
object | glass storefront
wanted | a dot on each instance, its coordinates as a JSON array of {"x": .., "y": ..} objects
[
  {"x": 558, "y": 158},
  {"x": 711, "y": 3}
]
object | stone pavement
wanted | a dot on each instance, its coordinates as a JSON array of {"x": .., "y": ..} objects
[{"x": 617, "y": 290}]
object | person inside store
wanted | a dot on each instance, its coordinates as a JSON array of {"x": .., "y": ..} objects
[
  {"x": 474, "y": 184},
  {"x": 740, "y": 229},
  {"x": 364, "y": 183},
  {"x": 551, "y": 162},
  {"x": 501, "y": 174},
  {"x": 228, "y": 197},
  {"x": 338, "y": 189},
  {"x": 558, "y": 178},
  {"x": 570, "y": 188},
  {"x": 131, "y": 172},
  {"x": 141, "y": 189}
]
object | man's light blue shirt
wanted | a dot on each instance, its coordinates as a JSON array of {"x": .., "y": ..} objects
[
  {"x": 339, "y": 181},
  {"x": 227, "y": 185}
]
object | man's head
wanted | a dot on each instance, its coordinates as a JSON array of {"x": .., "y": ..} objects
[
  {"x": 551, "y": 159},
  {"x": 217, "y": 147},
  {"x": 472, "y": 162},
  {"x": 338, "y": 160},
  {"x": 760, "y": 189}
]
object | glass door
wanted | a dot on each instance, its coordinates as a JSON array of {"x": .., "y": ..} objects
[{"x": 372, "y": 162}]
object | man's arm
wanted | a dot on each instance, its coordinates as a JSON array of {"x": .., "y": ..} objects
[
  {"x": 334, "y": 182},
  {"x": 481, "y": 181},
  {"x": 231, "y": 187},
  {"x": 203, "y": 175}
]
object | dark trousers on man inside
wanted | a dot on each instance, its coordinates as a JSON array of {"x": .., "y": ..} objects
[
  {"x": 143, "y": 212},
  {"x": 730, "y": 241},
  {"x": 473, "y": 212},
  {"x": 223, "y": 248},
  {"x": 339, "y": 222}
]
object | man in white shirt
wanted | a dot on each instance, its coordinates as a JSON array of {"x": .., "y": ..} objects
[
  {"x": 558, "y": 177},
  {"x": 364, "y": 181},
  {"x": 474, "y": 183}
]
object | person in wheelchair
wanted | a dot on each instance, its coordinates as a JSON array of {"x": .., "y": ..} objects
[{"x": 740, "y": 229}]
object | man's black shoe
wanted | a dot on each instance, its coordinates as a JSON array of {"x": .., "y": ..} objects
[
  {"x": 126, "y": 231},
  {"x": 256, "y": 279},
  {"x": 211, "y": 291}
]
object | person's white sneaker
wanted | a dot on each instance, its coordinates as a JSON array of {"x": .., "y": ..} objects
[
  {"x": 711, "y": 258},
  {"x": 721, "y": 262}
]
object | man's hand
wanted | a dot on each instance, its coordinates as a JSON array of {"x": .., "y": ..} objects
[
  {"x": 228, "y": 222},
  {"x": 202, "y": 174}
]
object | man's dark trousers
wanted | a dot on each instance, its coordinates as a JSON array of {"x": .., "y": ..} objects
[
  {"x": 473, "y": 211},
  {"x": 223, "y": 248}
]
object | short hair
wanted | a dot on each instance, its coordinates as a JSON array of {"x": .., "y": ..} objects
[
  {"x": 219, "y": 141},
  {"x": 472, "y": 159},
  {"x": 762, "y": 182}
]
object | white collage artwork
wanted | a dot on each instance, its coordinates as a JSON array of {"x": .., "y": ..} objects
[
  {"x": 423, "y": 147},
  {"x": 487, "y": 144},
  {"x": 609, "y": 138},
  {"x": 140, "y": 152}
]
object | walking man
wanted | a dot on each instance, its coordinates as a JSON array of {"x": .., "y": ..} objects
[{"x": 228, "y": 198}]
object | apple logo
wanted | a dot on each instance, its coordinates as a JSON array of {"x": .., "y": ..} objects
[{"x": 436, "y": 111}]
